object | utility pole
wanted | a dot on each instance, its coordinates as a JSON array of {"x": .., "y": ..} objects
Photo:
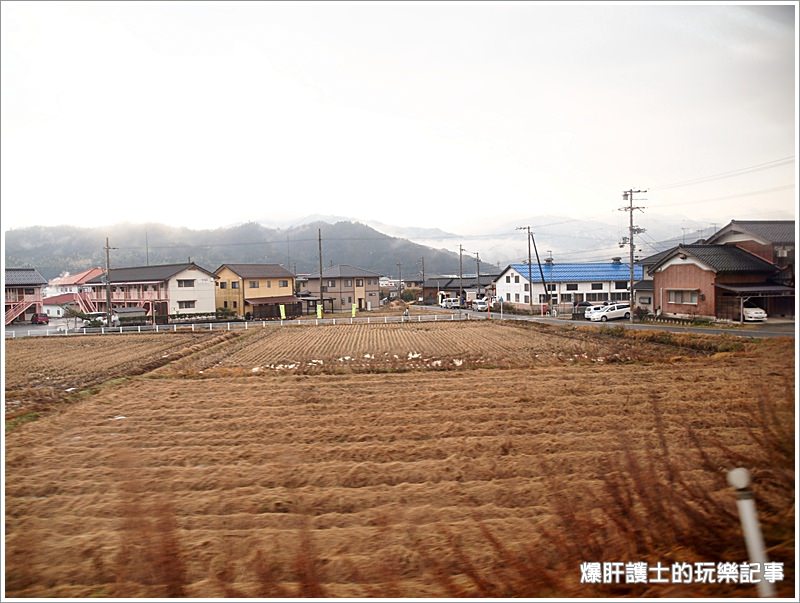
[
  {"x": 530, "y": 274},
  {"x": 399, "y": 281},
  {"x": 478, "y": 262},
  {"x": 632, "y": 230},
  {"x": 108, "y": 286},
  {"x": 460, "y": 276},
  {"x": 319, "y": 238},
  {"x": 423, "y": 278}
]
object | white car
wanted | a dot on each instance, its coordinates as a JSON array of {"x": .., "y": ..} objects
[
  {"x": 480, "y": 305},
  {"x": 753, "y": 312},
  {"x": 611, "y": 312},
  {"x": 591, "y": 310},
  {"x": 450, "y": 302}
]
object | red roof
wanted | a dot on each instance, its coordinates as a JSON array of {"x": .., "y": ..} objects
[
  {"x": 59, "y": 300},
  {"x": 76, "y": 279}
]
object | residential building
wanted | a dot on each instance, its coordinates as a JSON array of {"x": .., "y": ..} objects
[
  {"x": 73, "y": 285},
  {"x": 713, "y": 281},
  {"x": 256, "y": 290},
  {"x": 437, "y": 288},
  {"x": 566, "y": 283},
  {"x": 162, "y": 290},
  {"x": 347, "y": 285},
  {"x": 23, "y": 293}
]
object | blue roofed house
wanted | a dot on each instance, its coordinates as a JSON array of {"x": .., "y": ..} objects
[{"x": 566, "y": 283}]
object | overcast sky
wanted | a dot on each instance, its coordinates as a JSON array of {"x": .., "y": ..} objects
[{"x": 450, "y": 115}]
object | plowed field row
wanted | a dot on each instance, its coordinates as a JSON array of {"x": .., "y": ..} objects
[{"x": 377, "y": 467}]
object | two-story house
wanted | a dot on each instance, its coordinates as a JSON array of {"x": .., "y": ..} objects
[
  {"x": 347, "y": 285},
  {"x": 257, "y": 290},
  {"x": 23, "y": 293},
  {"x": 168, "y": 289},
  {"x": 566, "y": 283}
]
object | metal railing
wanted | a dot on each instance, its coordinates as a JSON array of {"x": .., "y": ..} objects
[{"x": 242, "y": 325}]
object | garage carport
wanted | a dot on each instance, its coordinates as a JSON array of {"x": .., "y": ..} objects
[{"x": 777, "y": 300}]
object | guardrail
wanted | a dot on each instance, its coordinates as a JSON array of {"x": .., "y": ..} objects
[{"x": 242, "y": 325}]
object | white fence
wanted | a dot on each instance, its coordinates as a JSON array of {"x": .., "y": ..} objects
[{"x": 242, "y": 326}]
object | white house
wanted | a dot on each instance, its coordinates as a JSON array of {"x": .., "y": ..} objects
[{"x": 566, "y": 283}]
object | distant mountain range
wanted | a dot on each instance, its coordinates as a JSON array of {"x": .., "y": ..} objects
[
  {"x": 378, "y": 247},
  {"x": 54, "y": 250}
]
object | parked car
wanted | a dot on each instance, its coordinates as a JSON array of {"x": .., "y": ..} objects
[
  {"x": 94, "y": 319},
  {"x": 40, "y": 318},
  {"x": 753, "y": 312},
  {"x": 587, "y": 314},
  {"x": 450, "y": 302},
  {"x": 611, "y": 312},
  {"x": 480, "y": 305}
]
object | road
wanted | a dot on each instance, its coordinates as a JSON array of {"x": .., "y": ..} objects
[{"x": 778, "y": 327}]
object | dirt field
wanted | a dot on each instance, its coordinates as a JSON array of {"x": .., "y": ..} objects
[{"x": 216, "y": 473}]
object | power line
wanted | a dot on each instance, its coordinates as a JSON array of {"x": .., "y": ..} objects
[
  {"x": 729, "y": 174},
  {"x": 736, "y": 196}
]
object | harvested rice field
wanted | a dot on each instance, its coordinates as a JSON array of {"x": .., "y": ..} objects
[{"x": 216, "y": 473}]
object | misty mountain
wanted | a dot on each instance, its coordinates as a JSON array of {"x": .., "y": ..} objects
[{"x": 53, "y": 250}]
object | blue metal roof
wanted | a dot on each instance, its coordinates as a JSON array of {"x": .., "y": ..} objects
[{"x": 573, "y": 273}]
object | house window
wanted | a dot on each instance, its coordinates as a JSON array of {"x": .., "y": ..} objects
[
  {"x": 235, "y": 285},
  {"x": 254, "y": 284},
  {"x": 225, "y": 304},
  {"x": 527, "y": 299},
  {"x": 566, "y": 297},
  {"x": 516, "y": 297},
  {"x": 645, "y": 300},
  {"x": 508, "y": 297},
  {"x": 348, "y": 283},
  {"x": 235, "y": 304},
  {"x": 186, "y": 282},
  {"x": 682, "y": 297},
  {"x": 620, "y": 284},
  {"x": 551, "y": 287},
  {"x": 269, "y": 284},
  {"x": 572, "y": 286},
  {"x": 527, "y": 287},
  {"x": 597, "y": 286},
  {"x": 359, "y": 282},
  {"x": 28, "y": 292},
  {"x": 331, "y": 283},
  {"x": 186, "y": 304},
  {"x": 542, "y": 298},
  {"x": 283, "y": 283},
  {"x": 223, "y": 285},
  {"x": 349, "y": 300},
  {"x": 620, "y": 297},
  {"x": 516, "y": 278},
  {"x": 595, "y": 296},
  {"x": 508, "y": 279}
]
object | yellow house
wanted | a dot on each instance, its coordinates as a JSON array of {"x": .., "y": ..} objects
[{"x": 256, "y": 290}]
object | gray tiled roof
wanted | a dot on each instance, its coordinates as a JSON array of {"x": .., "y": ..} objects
[
  {"x": 724, "y": 258},
  {"x": 258, "y": 270},
  {"x": 655, "y": 258},
  {"x": 24, "y": 276},
  {"x": 147, "y": 273},
  {"x": 344, "y": 271},
  {"x": 774, "y": 231}
]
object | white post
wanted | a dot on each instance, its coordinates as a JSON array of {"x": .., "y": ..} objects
[
  {"x": 102, "y": 330},
  {"x": 367, "y": 319},
  {"x": 192, "y": 327},
  {"x": 139, "y": 328},
  {"x": 740, "y": 479},
  {"x": 175, "y": 328},
  {"x": 211, "y": 326},
  {"x": 385, "y": 319},
  {"x": 245, "y": 326},
  {"x": 229, "y": 326}
]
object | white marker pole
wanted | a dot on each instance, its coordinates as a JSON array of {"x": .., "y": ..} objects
[{"x": 740, "y": 479}]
